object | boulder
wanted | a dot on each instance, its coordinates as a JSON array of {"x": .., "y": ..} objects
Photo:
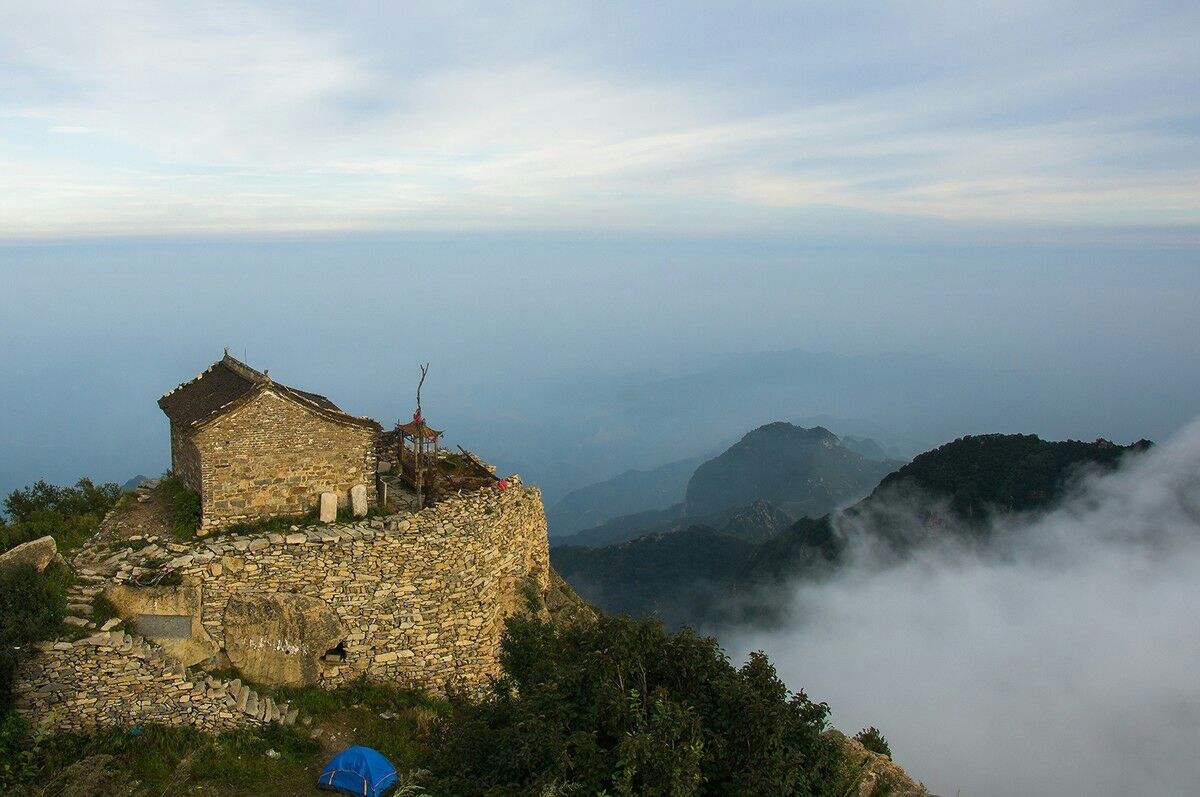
[
  {"x": 328, "y": 507},
  {"x": 278, "y": 639},
  {"x": 37, "y": 553},
  {"x": 358, "y": 500}
]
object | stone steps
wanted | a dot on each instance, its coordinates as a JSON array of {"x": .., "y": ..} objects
[{"x": 236, "y": 695}]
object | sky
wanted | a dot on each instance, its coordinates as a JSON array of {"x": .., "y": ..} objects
[{"x": 1031, "y": 121}]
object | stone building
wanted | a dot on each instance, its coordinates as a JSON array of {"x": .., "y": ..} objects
[{"x": 254, "y": 448}]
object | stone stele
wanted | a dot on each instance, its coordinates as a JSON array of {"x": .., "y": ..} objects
[
  {"x": 39, "y": 553},
  {"x": 358, "y": 500},
  {"x": 158, "y": 611},
  {"x": 328, "y": 507},
  {"x": 278, "y": 639}
]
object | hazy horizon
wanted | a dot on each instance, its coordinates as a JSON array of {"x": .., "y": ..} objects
[{"x": 572, "y": 358}]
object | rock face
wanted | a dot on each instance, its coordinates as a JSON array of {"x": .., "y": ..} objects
[
  {"x": 867, "y": 774},
  {"x": 279, "y": 639},
  {"x": 38, "y": 553}
]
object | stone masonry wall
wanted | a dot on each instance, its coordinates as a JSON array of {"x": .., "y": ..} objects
[
  {"x": 112, "y": 678},
  {"x": 274, "y": 457},
  {"x": 185, "y": 458},
  {"x": 423, "y": 599}
]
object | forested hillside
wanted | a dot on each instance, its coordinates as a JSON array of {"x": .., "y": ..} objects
[{"x": 707, "y": 577}]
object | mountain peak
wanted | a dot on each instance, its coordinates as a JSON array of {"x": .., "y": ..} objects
[{"x": 804, "y": 472}]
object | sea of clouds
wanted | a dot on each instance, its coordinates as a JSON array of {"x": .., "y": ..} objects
[{"x": 1064, "y": 661}]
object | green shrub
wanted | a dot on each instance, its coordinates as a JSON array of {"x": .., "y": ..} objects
[
  {"x": 32, "y": 606},
  {"x": 874, "y": 741},
  {"x": 621, "y": 706},
  {"x": 184, "y": 506},
  {"x": 16, "y": 759},
  {"x": 68, "y": 514}
]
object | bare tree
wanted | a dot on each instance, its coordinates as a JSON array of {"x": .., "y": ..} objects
[{"x": 424, "y": 373}]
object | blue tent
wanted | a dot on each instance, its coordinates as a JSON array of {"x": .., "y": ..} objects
[{"x": 358, "y": 770}]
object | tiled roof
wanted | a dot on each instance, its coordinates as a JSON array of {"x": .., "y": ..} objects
[{"x": 226, "y": 383}]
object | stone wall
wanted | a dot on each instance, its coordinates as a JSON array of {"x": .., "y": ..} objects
[
  {"x": 185, "y": 458},
  {"x": 422, "y": 600},
  {"x": 416, "y": 600},
  {"x": 273, "y": 457},
  {"x": 112, "y": 678}
]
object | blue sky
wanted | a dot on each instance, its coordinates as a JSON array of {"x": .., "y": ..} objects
[{"x": 899, "y": 121}]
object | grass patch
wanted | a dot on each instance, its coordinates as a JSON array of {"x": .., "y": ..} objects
[
  {"x": 279, "y": 524},
  {"x": 170, "y": 760},
  {"x": 166, "y": 760},
  {"x": 392, "y": 720},
  {"x": 184, "y": 505},
  {"x": 103, "y": 609},
  {"x": 346, "y": 514},
  {"x": 282, "y": 524}
]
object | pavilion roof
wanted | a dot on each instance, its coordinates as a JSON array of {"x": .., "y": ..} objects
[{"x": 418, "y": 429}]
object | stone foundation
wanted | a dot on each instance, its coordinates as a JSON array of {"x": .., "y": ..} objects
[
  {"x": 417, "y": 600},
  {"x": 423, "y": 600}
]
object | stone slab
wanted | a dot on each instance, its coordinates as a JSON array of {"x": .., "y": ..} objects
[
  {"x": 358, "y": 500},
  {"x": 328, "y": 507}
]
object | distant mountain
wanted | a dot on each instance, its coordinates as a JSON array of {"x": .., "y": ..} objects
[
  {"x": 634, "y": 491},
  {"x": 880, "y": 442},
  {"x": 753, "y": 522},
  {"x": 952, "y": 490},
  {"x": 133, "y": 483},
  {"x": 804, "y": 472},
  {"x": 867, "y": 446},
  {"x": 626, "y": 527}
]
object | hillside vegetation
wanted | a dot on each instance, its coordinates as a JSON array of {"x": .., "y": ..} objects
[
  {"x": 598, "y": 705},
  {"x": 703, "y": 577}
]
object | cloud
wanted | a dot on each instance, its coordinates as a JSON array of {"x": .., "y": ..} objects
[
  {"x": 1061, "y": 664},
  {"x": 549, "y": 119}
]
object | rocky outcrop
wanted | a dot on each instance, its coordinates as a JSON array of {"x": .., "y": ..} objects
[
  {"x": 868, "y": 774},
  {"x": 564, "y": 605},
  {"x": 279, "y": 639},
  {"x": 38, "y": 554}
]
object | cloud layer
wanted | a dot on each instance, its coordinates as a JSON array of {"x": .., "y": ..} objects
[
  {"x": 1064, "y": 664},
  {"x": 151, "y": 118}
]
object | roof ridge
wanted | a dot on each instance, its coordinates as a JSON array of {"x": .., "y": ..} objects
[{"x": 242, "y": 369}]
